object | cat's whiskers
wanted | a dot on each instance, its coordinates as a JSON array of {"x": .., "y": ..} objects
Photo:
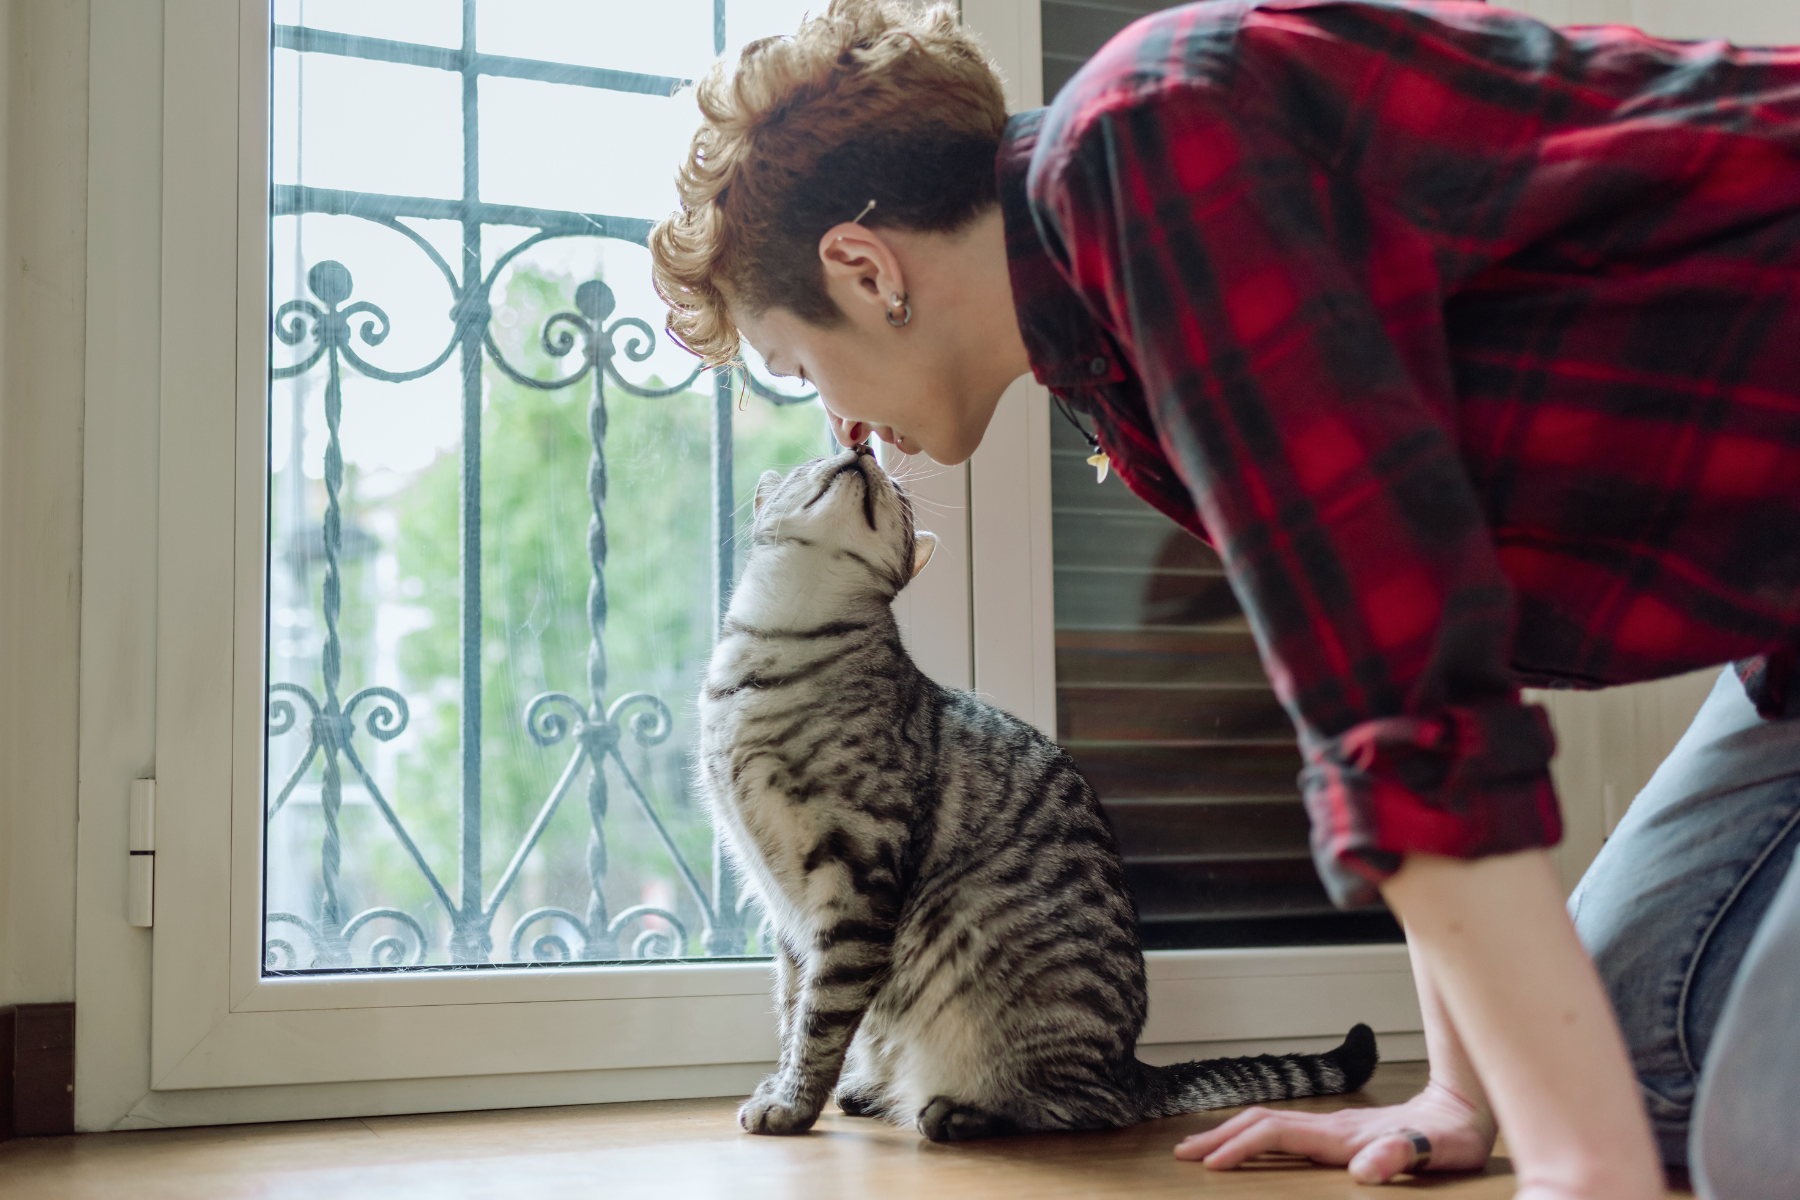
[{"x": 938, "y": 507}]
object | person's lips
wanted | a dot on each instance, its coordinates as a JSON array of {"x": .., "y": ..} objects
[{"x": 850, "y": 433}]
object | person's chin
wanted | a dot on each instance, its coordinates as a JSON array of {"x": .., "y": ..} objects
[
  {"x": 952, "y": 455},
  {"x": 958, "y": 445}
]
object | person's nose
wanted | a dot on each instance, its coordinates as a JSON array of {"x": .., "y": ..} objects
[{"x": 847, "y": 433}]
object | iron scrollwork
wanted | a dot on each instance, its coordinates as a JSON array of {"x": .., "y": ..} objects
[
  {"x": 332, "y": 329},
  {"x": 596, "y": 729}
]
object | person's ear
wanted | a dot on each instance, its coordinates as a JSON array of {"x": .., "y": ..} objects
[
  {"x": 924, "y": 546},
  {"x": 859, "y": 264},
  {"x": 765, "y": 487}
]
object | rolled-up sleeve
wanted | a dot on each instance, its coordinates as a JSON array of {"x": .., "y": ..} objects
[{"x": 1288, "y": 332}]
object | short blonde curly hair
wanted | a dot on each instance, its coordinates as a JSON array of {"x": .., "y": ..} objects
[{"x": 873, "y": 100}]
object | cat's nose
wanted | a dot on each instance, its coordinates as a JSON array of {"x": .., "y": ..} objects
[{"x": 864, "y": 448}]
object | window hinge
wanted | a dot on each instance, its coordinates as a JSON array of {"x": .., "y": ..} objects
[{"x": 140, "y": 876}]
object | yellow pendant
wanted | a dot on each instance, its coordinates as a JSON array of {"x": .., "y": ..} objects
[{"x": 1101, "y": 464}]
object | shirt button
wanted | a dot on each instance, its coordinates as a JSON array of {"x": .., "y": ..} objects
[{"x": 1097, "y": 365}]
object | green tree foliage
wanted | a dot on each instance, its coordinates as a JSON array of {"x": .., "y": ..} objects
[{"x": 535, "y": 638}]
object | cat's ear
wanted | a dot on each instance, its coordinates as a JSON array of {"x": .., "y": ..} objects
[
  {"x": 924, "y": 546},
  {"x": 765, "y": 487}
]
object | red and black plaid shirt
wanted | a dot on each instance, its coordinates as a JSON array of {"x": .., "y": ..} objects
[{"x": 1472, "y": 345}]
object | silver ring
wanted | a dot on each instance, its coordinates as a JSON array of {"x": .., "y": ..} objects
[
  {"x": 905, "y": 309},
  {"x": 1421, "y": 1150}
]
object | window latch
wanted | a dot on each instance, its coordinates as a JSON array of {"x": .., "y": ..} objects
[{"x": 140, "y": 876}]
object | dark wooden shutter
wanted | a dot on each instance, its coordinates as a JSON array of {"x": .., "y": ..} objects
[
  {"x": 1160, "y": 695},
  {"x": 1163, "y": 702}
]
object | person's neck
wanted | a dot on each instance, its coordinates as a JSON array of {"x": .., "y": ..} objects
[
  {"x": 992, "y": 341},
  {"x": 966, "y": 274}
]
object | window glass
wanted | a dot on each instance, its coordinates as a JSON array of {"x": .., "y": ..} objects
[
  {"x": 557, "y": 146},
  {"x": 502, "y": 503},
  {"x": 369, "y": 126},
  {"x": 1161, "y": 697},
  {"x": 425, "y": 22},
  {"x": 748, "y": 20},
  {"x": 669, "y": 37},
  {"x": 1162, "y": 701}
]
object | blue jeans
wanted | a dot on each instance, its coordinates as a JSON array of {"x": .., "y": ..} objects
[{"x": 1697, "y": 939}]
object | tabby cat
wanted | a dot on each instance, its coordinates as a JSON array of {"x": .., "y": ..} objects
[{"x": 955, "y": 945}]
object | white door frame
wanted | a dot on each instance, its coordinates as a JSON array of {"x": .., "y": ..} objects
[{"x": 216, "y": 1020}]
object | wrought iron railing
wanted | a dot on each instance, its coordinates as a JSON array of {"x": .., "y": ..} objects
[{"x": 328, "y": 327}]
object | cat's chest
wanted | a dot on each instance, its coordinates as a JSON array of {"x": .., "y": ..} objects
[
  {"x": 766, "y": 801},
  {"x": 771, "y": 812}
]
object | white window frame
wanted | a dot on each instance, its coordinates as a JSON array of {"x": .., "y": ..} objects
[{"x": 178, "y": 1025}]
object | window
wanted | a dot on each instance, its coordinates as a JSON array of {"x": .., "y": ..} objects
[
  {"x": 1162, "y": 701},
  {"x": 1160, "y": 695},
  {"x": 502, "y": 502}
]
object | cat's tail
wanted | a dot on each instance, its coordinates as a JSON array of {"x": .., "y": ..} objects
[{"x": 1227, "y": 1082}]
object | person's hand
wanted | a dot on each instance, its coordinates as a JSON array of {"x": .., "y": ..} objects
[{"x": 1462, "y": 1136}]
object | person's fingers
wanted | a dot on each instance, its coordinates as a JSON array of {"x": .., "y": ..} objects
[
  {"x": 1199, "y": 1146},
  {"x": 1381, "y": 1159},
  {"x": 1269, "y": 1134},
  {"x": 1202, "y": 1144},
  {"x": 1366, "y": 1139},
  {"x": 1280, "y": 1131}
]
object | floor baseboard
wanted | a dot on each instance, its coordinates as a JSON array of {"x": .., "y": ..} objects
[{"x": 37, "y": 1069}]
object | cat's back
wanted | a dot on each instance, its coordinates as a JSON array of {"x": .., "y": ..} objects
[
  {"x": 1019, "y": 942},
  {"x": 1009, "y": 788},
  {"x": 1019, "y": 848}
]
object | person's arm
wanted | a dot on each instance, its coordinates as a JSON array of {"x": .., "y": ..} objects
[
  {"x": 1289, "y": 333},
  {"x": 1527, "y": 1003},
  {"x": 1493, "y": 935},
  {"x": 1452, "y": 1111}
]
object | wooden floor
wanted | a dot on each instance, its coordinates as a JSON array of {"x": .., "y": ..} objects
[{"x": 678, "y": 1150}]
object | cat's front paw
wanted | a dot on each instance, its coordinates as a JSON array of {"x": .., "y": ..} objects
[{"x": 773, "y": 1110}]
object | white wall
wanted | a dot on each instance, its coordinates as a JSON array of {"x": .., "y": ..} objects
[
  {"x": 1747, "y": 22},
  {"x": 43, "y": 58},
  {"x": 1608, "y": 744}
]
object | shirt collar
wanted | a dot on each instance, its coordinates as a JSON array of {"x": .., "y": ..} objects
[{"x": 1067, "y": 347}]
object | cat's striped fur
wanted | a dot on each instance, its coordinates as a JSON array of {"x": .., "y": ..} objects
[{"x": 956, "y": 945}]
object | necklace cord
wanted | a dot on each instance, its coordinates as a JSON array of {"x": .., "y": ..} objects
[{"x": 1062, "y": 406}]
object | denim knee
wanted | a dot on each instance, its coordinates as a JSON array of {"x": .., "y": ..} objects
[{"x": 1675, "y": 895}]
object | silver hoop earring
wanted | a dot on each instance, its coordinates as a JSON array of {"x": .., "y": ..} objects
[{"x": 901, "y": 305}]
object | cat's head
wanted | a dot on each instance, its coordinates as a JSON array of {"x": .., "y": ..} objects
[{"x": 840, "y": 524}]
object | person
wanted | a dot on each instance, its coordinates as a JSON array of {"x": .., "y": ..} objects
[{"x": 1473, "y": 347}]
